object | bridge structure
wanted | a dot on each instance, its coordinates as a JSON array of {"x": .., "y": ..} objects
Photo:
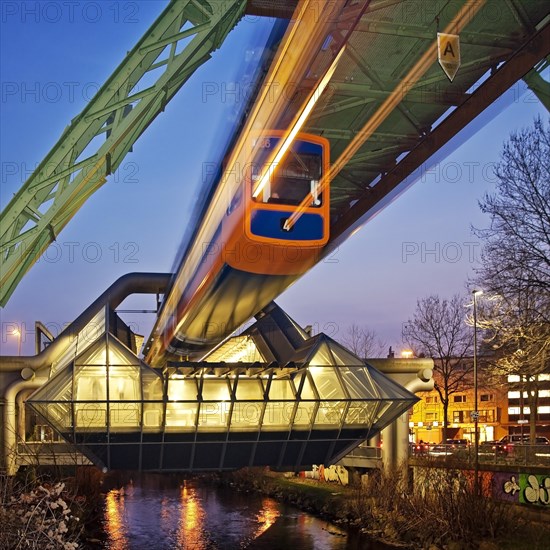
[{"x": 365, "y": 77}]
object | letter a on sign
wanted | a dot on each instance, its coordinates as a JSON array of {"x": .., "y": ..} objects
[{"x": 448, "y": 53}]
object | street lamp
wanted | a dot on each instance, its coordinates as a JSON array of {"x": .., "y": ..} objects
[
  {"x": 475, "y": 294},
  {"x": 17, "y": 332}
]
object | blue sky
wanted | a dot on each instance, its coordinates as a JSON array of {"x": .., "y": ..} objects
[{"x": 54, "y": 55}]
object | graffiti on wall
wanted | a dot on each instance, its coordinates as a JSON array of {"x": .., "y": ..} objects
[{"x": 522, "y": 488}]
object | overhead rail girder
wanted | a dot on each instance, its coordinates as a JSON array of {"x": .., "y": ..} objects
[
  {"x": 533, "y": 53},
  {"x": 179, "y": 41}
]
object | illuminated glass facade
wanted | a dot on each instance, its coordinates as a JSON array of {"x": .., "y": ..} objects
[{"x": 213, "y": 416}]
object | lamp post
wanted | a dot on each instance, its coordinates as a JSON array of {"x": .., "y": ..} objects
[
  {"x": 475, "y": 294},
  {"x": 17, "y": 332}
]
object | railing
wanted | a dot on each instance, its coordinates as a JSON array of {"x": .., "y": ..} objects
[
  {"x": 374, "y": 453},
  {"x": 517, "y": 455}
]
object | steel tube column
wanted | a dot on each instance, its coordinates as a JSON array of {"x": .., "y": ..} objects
[
  {"x": 131, "y": 283},
  {"x": 10, "y": 421}
]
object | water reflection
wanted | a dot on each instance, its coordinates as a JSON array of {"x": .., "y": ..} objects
[
  {"x": 165, "y": 513},
  {"x": 114, "y": 522},
  {"x": 266, "y": 516},
  {"x": 190, "y": 532}
]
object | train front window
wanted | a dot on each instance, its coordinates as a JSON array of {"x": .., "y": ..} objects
[{"x": 296, "y": 178}]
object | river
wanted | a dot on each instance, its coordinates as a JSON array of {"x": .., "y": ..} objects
[{"x": 162, "y": 513}]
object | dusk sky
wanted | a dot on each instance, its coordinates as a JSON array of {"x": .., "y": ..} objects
[{"x": 54, "y": 59}]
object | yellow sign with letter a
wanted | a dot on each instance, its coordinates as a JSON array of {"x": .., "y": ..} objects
[{"x": 448, "y": 53}]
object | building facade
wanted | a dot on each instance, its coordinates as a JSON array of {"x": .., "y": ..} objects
[
  {"x": 502, "y": 404},
  {"x": 426, "y": 418},
  {"x": 519, "y": 412}
]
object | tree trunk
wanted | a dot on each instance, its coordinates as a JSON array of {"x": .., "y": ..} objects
[
  {"x": 532, "y": 400},
  {"x": 445, "y": 419}
]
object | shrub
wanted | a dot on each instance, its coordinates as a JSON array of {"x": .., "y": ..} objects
[{"x": 38, "y": 515}]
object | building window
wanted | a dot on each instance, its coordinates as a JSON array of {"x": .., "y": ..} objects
[
  {"x": 458, "y": 417},
  {"x": 431, "y": 416},
  {"x": 459, "y": 399},
  {"x": 431, "y": 399},
  {"x": 486, "y": 397},
  {"x": 487, "y": 415}
]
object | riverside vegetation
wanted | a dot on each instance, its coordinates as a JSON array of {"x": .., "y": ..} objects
[
  {"x": 448, "y": 516},
  {"x": 48, "y": 512}
]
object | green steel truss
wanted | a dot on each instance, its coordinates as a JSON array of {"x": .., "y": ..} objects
[{"x": 181, "y": 40}]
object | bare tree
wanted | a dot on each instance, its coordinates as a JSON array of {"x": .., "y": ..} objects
[
  {"x": 363, "y": 342},
  {"x": 516, "y": 253},
  {"x": 515, "y": 266},
  {"x": 438, "y": 330},
  {"x": 520, "y": 343}
]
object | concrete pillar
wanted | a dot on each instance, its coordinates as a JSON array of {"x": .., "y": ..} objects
[
  {"x": 402, "y": 439},
  {"x": 389, "y": 456},
  {"x": 395, "y": 437}
]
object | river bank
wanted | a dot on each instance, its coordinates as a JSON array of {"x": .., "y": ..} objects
[
  {"x": 438, "y": 520},
  {"x": 342, "y": 505}
]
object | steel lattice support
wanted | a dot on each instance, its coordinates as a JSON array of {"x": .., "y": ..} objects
[
  {"x": 181, "y": 40},
  {"x": 539, "y": 86}
]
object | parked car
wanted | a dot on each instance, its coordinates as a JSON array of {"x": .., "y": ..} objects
[
  {"x": 450, "y": 447},
  {"x": 420, "y": 448},
  {"x": 508, "y": 443},
  {"x": 491, "y": 448}
]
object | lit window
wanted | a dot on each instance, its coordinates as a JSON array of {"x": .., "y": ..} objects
[
  {"x": 513, "y": 410},
  {"x": 513, "y": 378}
]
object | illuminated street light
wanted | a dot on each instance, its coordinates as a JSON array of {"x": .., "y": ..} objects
[
  {"x": 475, "y": 414},
  {"x": 407, "y": 354},
  {"x": 17, "y": 332}
]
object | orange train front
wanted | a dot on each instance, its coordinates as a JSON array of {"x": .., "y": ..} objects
[{"x": 250, "y": 258}]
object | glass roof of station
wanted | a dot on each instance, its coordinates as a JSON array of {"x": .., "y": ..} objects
[
  {"x": 107, "y": 392},
  {"x": 107, "y": 382}
]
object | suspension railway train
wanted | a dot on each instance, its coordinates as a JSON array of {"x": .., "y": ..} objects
[{"x": 249, "y": 256}]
